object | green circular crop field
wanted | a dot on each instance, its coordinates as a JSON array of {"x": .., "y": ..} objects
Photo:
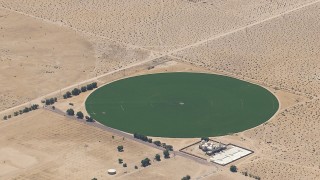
[{"x": 181, "y": 105}]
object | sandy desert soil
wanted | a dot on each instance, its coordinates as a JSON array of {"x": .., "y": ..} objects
[
  {"x": 48, "y": 45},
  {"x": 34, "y": 54}
]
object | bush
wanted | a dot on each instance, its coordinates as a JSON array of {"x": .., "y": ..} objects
[
  {"x": 5, "y": 117},
  {"x": 124, "y": 165},
  {"x": 80, "y": 115},
  {"x": 145, "y": 162},
  {"x": 233, "y": 168},
  {"x": 136, "y": 167},
  {"x": 166, "y": 154},
  {"x": 120, "y": 148},
  {"x": 16, "y": 113},
  {"x": 149, "y": 140},
  {"x": 70, "y": 112},
  {"x": 9, "y": 116}
]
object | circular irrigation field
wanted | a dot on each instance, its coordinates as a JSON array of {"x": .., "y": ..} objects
[{"x": 181, "y": 105}]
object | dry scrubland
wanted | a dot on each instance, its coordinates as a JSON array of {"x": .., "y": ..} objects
[
  {"x": 54, "y": 147},
  {"x": 154, "y": 24},
  {"x": 46, "y": 57},
  {"x": 50, "y": 45},
  {"x": 283, "y": 52}
]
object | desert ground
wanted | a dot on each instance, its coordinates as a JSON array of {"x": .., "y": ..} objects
[{"x": 50, "y": 47}]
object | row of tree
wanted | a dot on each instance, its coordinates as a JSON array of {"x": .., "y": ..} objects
[
  {"x": 79, "y": 114},
  {"x": 157, "y": 143},
  {"x": 77, "y": 91},
  {"x": 164, "y": 145},
  {"x": 25, "y": 110}
]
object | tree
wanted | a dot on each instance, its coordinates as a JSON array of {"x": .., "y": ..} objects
[
  {"x": 51, "y": 101},
  {"x": 25, "y": 110},
  {"x": 145, "y": 162},
  {"x": 120, "y": 148},
  {"x": 233, "y": 168},
  {"x": 136, "y": 167},
  {"x": 55, "y": 99},
  {"x": 80, "y": 115},
  {"x": 83, "y": 89},
  {"x": 68, "y": 94},
  {"x": 124, "y": 165},
  {"x": 65, "y": 96},
  {"x": 166, "y": 154},
  {"x": 34, "y": 106},
  {"x": 89, "y": 119},
  {"x": 187, "y": 177},
  {"x": 5, "y": 117},
  {"x": 16, "y": 113},
  {"x": 53, "y": 107},
  {"x": 70, "y": 112},
  {"x": 169, "y": 147},
  {"x": 158, "y": 143},
  {"x": 94, "y": 179},
  {"x": 47, "y": 102},
  {"x": 89, "y": 87},
  {"x": 94, "y": 85},
  {"x": 120, "y": 161},
  {"x": 149, "y": 140},
  {"x": 157, "y": 157},
  {"x": 205, "y": 139},
  {"x": 75, "y": 92}
]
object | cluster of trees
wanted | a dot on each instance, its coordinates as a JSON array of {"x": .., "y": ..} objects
[
  {"x": 187, "y": 177},
  {"x": 250, "y": 175},
  {"x": 25, "y": 110},
  {"x": 50, "y": 101},
  {"x": 77, "y": 91},
  {"x": 164, "y": 145}
]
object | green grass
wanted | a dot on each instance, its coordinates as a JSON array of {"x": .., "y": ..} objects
[{"x": 181, "y": 105}]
